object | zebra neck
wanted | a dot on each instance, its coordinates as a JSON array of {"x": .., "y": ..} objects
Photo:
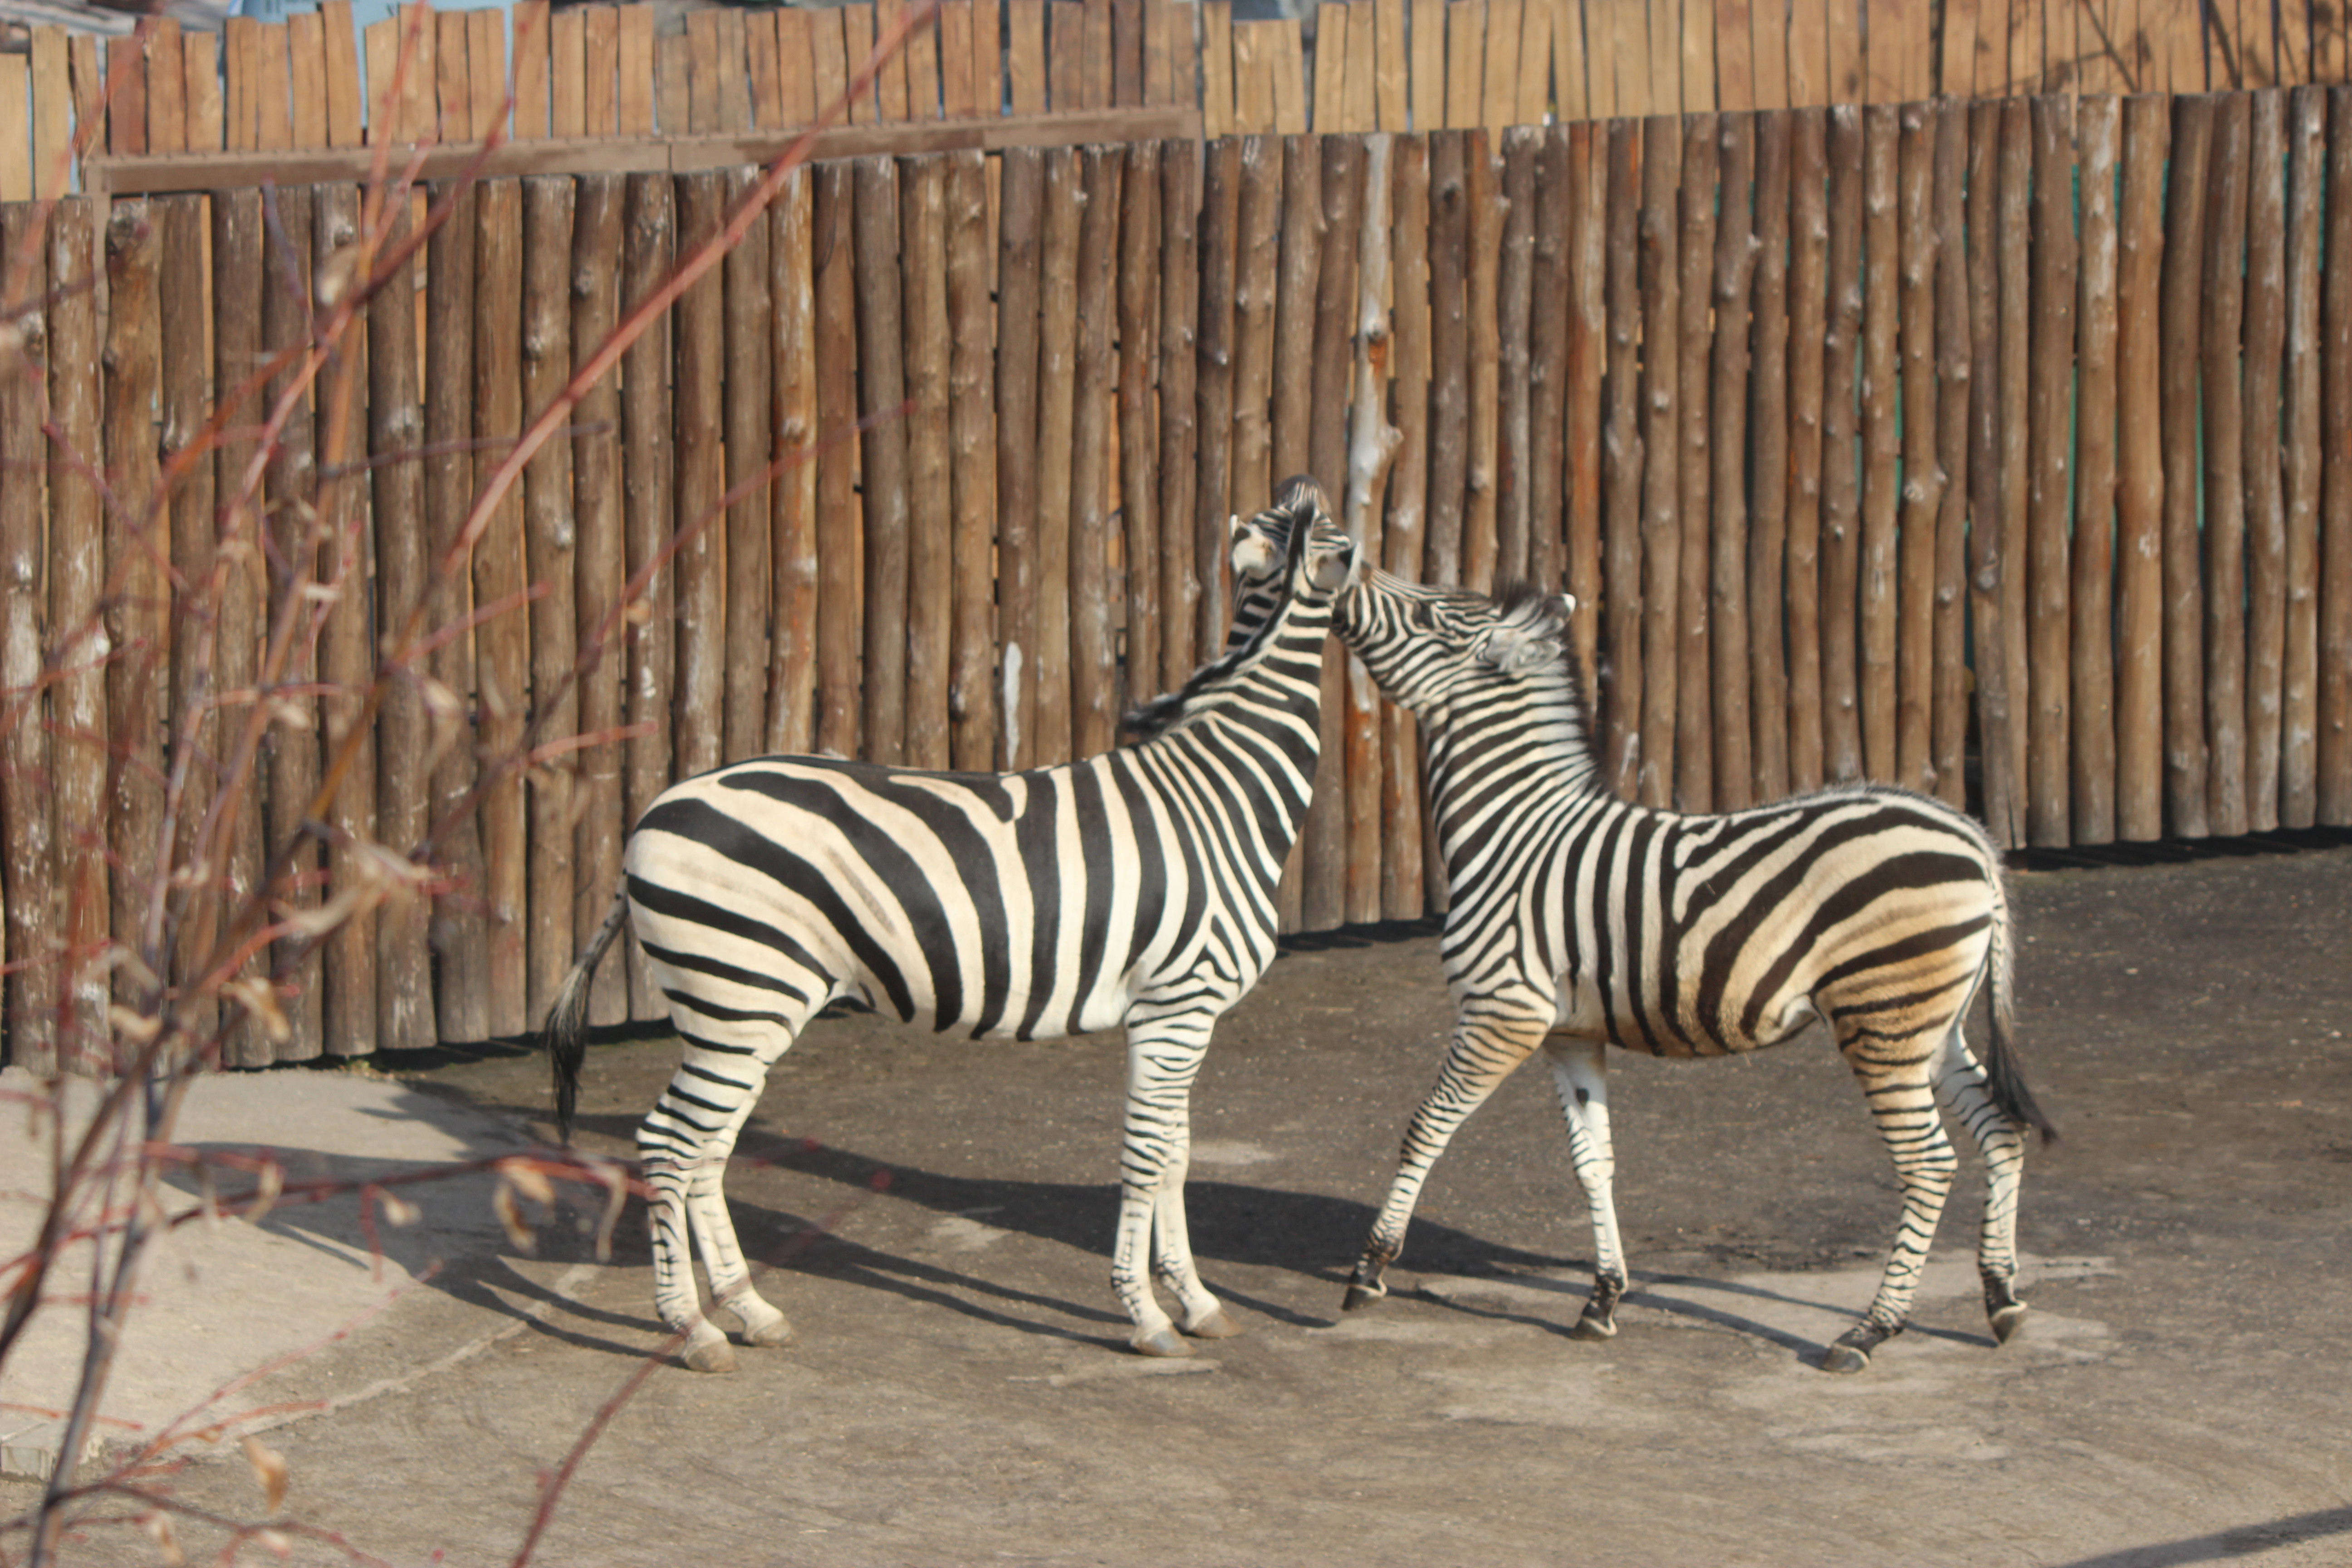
[{"x": 1503, "y": 770}]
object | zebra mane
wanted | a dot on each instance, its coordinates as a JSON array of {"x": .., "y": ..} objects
[
  {"x": 1532, "y": 637},
  {"x": 1149, "y": 720}
]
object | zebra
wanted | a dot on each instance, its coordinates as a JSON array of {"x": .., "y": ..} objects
[
  {"x": 1577, "y": 922},
  {"x": 1137, "y": 887}
]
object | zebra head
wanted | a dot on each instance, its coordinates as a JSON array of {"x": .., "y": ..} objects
[
  {"x": 1278, "y": 566},
  {"x": 1429, "y": 648}
]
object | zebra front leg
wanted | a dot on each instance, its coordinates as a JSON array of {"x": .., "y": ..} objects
[
  {"x": 1903, "y": 1104},
  {"x": 1579, "y": 1070},
  {"x": 1162, "y": 1058},
  {"x": 1961, "y": 1086},
  {"x": 1484, "y": 1051}
]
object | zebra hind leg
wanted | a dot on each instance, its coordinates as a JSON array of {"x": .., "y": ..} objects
[
  {"x": 1899, "y": 1085},
  {"x": 1164, "y": 1056},
  {"x": 1960, "y": 1084}
]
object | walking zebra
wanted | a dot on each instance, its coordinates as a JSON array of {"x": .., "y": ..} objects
[
  {"x": 1578, "y": 922},
  {"x": 1136, "y": 888}
]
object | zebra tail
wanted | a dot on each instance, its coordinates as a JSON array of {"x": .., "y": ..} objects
[
  {"x": 564, "y": 1034},
  {"x": 2004, "y": 1075}
]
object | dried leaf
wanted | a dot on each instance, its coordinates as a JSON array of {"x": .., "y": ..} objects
[
  {"x": 259, "y": 998},
  {"x": 616, "y": 1192},
  {"x": 268, "y": 1183},
  {"x": 134, "y": 1028},
  {"x": 335, "y": 275},
  {"x": 157, "y": 1525},
  {"x": 510, "y": 1213},
  {"x": 529, "y": 1179},
  {"x": 270, "y": 1470},
  {"x": 275, "y": 1542},
  {"x": 396, "y": 1210}
]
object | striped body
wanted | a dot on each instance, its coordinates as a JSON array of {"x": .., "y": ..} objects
[
  {"x": 1577, "y": 922},
  {"x": 1135, "y": 889}
]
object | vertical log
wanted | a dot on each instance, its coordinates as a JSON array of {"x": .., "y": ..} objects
[
  {"x": 502, "y": 642},
  {"x": 290, "y": 489},
  {"x": 600, "y": 579},
  {"x": 1326, "y": 840},
  {"x": 1449, "y": 353},
  {"x": 841, "y": 612},
  {"x": 971, "y": 417},
  {"x": 2265, "y": 502},
  {"x": 882, "y": 387},
  {"x": 698, "y": 379},
  {"x": 792, "y": 652},
  {"x": 2334, "y": 786},
  {"x": 1661, "y": 578},
  {"x": 1728, "y": 608},
  {"x": 347, "y": 661},
  {"x": 2306, "y": 115},
  {"x": 550, "y": 555},
  {"x": 1056, "y": 377},
  {"x": 136, "y": 614},
  {"x": 1587, "y": 348},
  {"x": 1621, "y": 473},
  {"x": 2184, "y": 647},
  {"x": 1551, "y": 302},
  {"x": 2141, "y": 471},
  {"x": 1953, "y": 372},
  {"x": 930, "y": 496},
  {"x": 27, "y": 852},
  {"x": 1876, "y": 608},
  {"x": 1768, "y": 439},
  {"x": 1296, "y": 286},
  {"x": 1923, "y": 474},
  {"x": 1514, "y": 469},
  {"x": 1808, "y": 241},
  {"x": 2012, "y": 538},
  {"x": 647, "y": 495},
  {"x": 1138, "y": 445},
  {"x": 1256, "y": 265},
  {"x": 1694, "y": 774},
  {"x": 1404, "y": 874},
  {"x": 2223, "y": 535},
  {"x": 1180, "y": 418},
  {"x": 1372, "y": 441},
  {"x": 2049, "y": 413},
  {"x": 1093, "y": 674},
  {"x": 1020, "y": 213},
  {"x": 1841, "y": 543},
  {"x": 77, "y": 702},
  {"x": 1221, "y": 187},
  {"x": 747, "y": 310}
]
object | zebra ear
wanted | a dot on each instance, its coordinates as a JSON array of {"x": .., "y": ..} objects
[
  {"x": 1520, "y": 645},
  {"x": 1568, "y": 603},
  {"x": 1255, "y": 554}
]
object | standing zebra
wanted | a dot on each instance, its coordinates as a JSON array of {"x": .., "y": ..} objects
[
  {"x": 1136, "y": 888},
  {"x": 1578, "y": 922}
]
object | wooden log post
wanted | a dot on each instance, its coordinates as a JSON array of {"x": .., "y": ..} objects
[
  {"x": 502, "y": 641},
  {"x": 1621, "y": 471},
  {"x": 1552, "y": 302},
  {"x": 746, "y": 310},
  {"x": 1139, "y": 349},
  {"x": 648, "y": 244},
  {"x": 27, "y": 849},
  {"x": 289, "y": 659},
  {"x": 2223, "y": 535},
  {"x": 1056, "y": 408},
  {"x": 1661, "y": 404},
  {"x": 841, "y": 612},
  {"x": 2140, "y": 473},
  {"x": 184, "y": 404},
  {"x": 2049, "y": 494},
  {"x": 1922, "y": 497},
  {"x": 1181, "y": 566},
  {"x": 1449, "y": 355},
  {"x": 792, "y": 653},
  {"x": 698, "y": 379},
  {"x": 971, "y": 420},
  {"x": 136, "y": 615},
  {"x": 930, "y": 495},
  {"x": 1768, "y": 442},
  {"x": 1729, "y": 608},
  {"x": 1587, "y": 350},
  {"x": 1809, "y": 255},
  {"x": 1513, "y": 298},
  {"x": 2265, "y": 496},
  {"x": 1021, "y": 208},
  {"x": 1218, "y": 363},
  {"x": 2333, "y": 787},
  {"x": 1405, "y": 876},
  {"x": 2185, "y": 767},
  {"x": 1694, "y": 770},
  {"x": 1841, "y": 543},
  {"x": 1327, "y": 869},
  {"x": 1954, "y": 374},
  {"x": 1877, "y": 605},
  {"x": 600, "y": 580},
  {"x": 550, "y": 529},
  {"x": 882, "y": 388},
  {"x": 1371, "y": 443},
  {"x": 1093, "y": 674},
  {"x": 2005, "y": 572},
  {"x": 2306, "y": 173}
]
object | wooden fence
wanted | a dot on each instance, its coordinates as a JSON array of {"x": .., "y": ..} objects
[
  {"x": 600, "y": 72},
  {"x": 1868, "y": 449}
]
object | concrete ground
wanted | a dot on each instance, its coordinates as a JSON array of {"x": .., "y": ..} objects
[{"x": 939, "y": 1215}]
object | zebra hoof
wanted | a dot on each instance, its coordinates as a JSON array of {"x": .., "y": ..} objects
[
  {"x": 770, "y": 1336},
  {"x": 2007, "y": 1321},
  {"x": 1212, "y": 1324},
  {"x": 1851, "y": 1351},
  {"x": 1591, "y": 1326},
  {"x": 1362, "y": 1295},
  {"x": 1844, "y": 1358},
  {"x": 1166, "y": 1343},
  {"x": 710, "y": 1355}
]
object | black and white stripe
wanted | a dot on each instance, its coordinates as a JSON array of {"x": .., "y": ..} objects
[
  {"x": 1578, "y": 922},
  {"x": 1133, "y": 889}
]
